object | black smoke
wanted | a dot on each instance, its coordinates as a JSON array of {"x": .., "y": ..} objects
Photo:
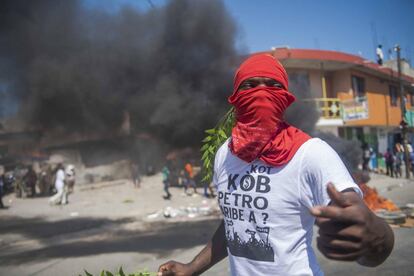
[{"x": 78, "y": 69}]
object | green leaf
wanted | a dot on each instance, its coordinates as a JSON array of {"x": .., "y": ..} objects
[
  {"x": 222, "y": 133},
  {"x": 213, "y": 141},
  {"x": 109, "y": 273},
  {"x": 87, "y": 273},
  {"x": 210, "y": 131},
  {"x": 103, "y": 273},
  {"x": 208, "y": 163},
  {"x": 205, "y": 155},
  {"x": 207, "y": 139},
  {"x": 204, "y": 147},
  {"x": 121, "y": 272}
]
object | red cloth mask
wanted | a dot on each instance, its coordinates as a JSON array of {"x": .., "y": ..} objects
[{"x": 260, "y": 131}]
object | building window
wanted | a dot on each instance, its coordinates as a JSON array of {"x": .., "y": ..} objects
[
  {"x": 393, "y": 95},
  {"x": 358, "y": 86}
]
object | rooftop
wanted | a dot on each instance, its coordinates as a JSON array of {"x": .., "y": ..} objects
[{"x": 331, "y": 60}]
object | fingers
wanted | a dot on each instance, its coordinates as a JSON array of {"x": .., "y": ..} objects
[
  {"x": 337, "y": 198},
  {"x": 165, "y": 273},
  {"x": 339, "y": 245},
  {"x": 165, "y": 269},
  {"x": 332, "y": 212},
  {"x": 353, "y": 234},
  {"x": 342, "y": 250}
]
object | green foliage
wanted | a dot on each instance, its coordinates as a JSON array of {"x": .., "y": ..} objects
[
  {"x": 215, "y": 137},
  {"x": 122, "y": 273}
]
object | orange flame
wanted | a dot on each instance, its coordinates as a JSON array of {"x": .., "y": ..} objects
[{"x": 376, "y": 202}]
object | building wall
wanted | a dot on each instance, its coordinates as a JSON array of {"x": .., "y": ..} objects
[
  {"x": 339, "y": 85},
  {"x": 315, "y": 83},
  {"x": 381, "y": 113}
]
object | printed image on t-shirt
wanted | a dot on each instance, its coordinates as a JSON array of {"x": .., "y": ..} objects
[
  {"x": 245, "y": 200},
  {"x": 253, "y": 248}
]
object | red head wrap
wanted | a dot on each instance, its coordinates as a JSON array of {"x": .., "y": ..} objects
[{"x": 260, "y": 131}]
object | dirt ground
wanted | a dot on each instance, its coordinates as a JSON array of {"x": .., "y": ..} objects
[{"x": 110, "y": 224}]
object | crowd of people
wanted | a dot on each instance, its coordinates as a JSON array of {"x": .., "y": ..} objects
[
  {"x": 46, "y": 180},
  {"x": 391, "y": 162}
]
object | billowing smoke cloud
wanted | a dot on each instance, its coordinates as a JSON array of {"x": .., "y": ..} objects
[{"x": 78, "y": 69}]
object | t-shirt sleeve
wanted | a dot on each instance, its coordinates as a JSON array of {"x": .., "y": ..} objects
[
  {"x": 218, "y": 162},
  {"x": 321, "y": 165}
]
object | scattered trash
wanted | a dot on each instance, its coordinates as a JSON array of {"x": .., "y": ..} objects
[
  {"x": 153, "y": 216},
  {"x": 392, "y": 217},
  {"x": 183, "y": 212},
  {"x": 74, "y": 214},
  {"x": 410, "y": 205}
]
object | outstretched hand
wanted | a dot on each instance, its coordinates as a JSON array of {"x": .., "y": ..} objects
[
  {"x": 349, "y": 231},
  {"x": 173, "y": 268}
]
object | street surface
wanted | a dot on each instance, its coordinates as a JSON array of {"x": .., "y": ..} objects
[{"x": 110, "y": 224}]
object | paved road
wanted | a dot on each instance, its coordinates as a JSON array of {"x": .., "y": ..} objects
[{"x": 106, "y": 227}]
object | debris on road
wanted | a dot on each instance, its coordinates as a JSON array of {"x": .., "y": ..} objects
[{"x": 183, "y": 212}]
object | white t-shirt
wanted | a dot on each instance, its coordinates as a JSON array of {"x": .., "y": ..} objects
[
  {"x": 380, "y": 53},
  {"x": 60, "y": 178},
  {"x": 266, "y": 209}
]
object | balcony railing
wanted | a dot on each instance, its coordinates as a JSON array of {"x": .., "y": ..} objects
[{"x": 330, "y": 108}]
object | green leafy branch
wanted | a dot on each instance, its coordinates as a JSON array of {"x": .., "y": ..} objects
[
  {"x": 215, "y": 137},
  {"x": 122, "y": 273}
]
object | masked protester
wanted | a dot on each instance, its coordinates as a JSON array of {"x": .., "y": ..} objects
[{"x": 274, "y": 182}]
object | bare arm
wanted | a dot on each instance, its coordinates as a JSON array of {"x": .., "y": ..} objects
[{"x": 212, "y": 253}]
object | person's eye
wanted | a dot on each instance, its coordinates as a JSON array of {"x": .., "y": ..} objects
[
  {"x": 275, "y": 84},
  {"x": 246, "y": 85}
]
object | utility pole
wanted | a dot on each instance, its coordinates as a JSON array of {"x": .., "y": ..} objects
[{"x": 403, "y": 124}]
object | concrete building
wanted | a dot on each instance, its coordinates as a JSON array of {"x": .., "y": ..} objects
[{"x": 357, "y": 98}]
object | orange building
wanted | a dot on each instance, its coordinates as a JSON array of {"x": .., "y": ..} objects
[{"x": 357, "y": 99}]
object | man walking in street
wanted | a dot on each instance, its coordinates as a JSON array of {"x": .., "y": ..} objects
[
  {"x": 389, "y": 162},
  {"x": 274, "y": 182},
  {"x": 61, "y": 195},
  {"x": 189, "y": 178},
  {"x": 166, "y": 181}
]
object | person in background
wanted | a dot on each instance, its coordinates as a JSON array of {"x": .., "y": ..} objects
[
  {"x": 189, "y": 178},
  {"x": 19, "y": 185},
  {"x": 389, "y": 162},
  {"x": 135, "y": 174},
  {"x": 61, "y": 195},
  {"x": 366, "y": 154},
  {"x": 380, "y": 54},
  {"x": 45, "y": 179},
  {"x": 166, "y": 181},
  {"x": 207, "y": 186},
  {"x": 1, "y": 189},
  {"x": 411, "y": 157},
  {"x": 399, "y": 155},
  {"x": 30, "y": 180},
  {"x": 70, "y": 178},
  {"x": 373, "y": 162}
]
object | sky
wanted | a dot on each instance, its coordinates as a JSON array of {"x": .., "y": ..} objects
[{"x": 352, "y": 26}]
